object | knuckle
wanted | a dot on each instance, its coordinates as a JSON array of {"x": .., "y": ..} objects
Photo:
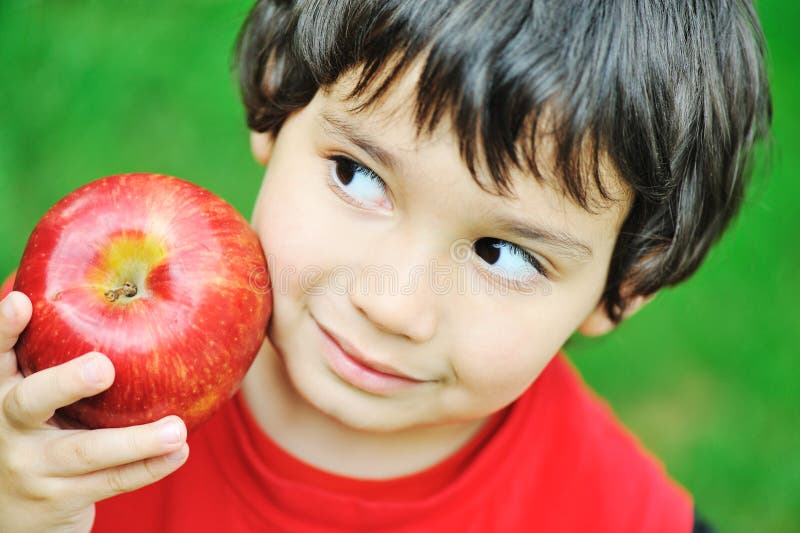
[
  {"x": 152, "y": 473},
  {"x": 38, "y": 490},
  {"x": 55, "y": 495},
  {"x": 15, "y": 404},
  {"x": 13, "y": 471},
  {"x": 59, "y": 497},
  {"x": 20, "y": 479},
  {"x": 80, "y": 520},
  {"x": 136, "y": 445},
  {"x": 82, "y": 453},
  {"x": 116, "y": 481}
]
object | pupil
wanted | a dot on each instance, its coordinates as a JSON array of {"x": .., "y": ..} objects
[
  {"x": 485, "y": 249},
  {"x": 345, "y": 170}
]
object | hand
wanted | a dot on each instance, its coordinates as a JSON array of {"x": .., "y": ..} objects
[{"x": 51, "y": 477}]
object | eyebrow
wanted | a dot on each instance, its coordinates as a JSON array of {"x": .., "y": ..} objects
[
  {"x": 561, "y": 240},
  {"x": 339, "y": 127},
  {"x": 565, "y": 242}
]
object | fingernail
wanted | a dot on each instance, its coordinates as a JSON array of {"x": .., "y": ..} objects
[
  {"x": 91, "y": 371},
  {"x": 7, "y": 308},
  {"x": 178, "y": 455},
  {"x": 170, "y": 433}
]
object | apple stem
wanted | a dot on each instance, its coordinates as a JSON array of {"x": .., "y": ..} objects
[{"x": 128, "y": 289}]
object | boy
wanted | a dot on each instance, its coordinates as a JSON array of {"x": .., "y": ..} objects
[{"x": 526, "y": 170}]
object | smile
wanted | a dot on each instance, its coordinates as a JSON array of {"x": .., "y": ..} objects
[{"x": 353, "y": 368}]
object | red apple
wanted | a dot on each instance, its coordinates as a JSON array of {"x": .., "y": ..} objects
[{"x": 163, "y": 277}]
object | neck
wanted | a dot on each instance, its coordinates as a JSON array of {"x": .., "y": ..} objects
[{"x": 299, "y": 428}]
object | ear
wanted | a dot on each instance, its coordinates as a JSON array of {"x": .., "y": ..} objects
[
  {"x": 598, "y": 323},
  {"x": 261, "y": 146}
]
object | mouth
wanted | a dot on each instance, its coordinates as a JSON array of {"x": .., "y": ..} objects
[{"x": 359, "y": 371}]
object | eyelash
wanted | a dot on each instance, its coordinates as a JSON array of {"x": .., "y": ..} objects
[
  {"x": 528, "y": 257},
  {"x": 342, "y": 160}
]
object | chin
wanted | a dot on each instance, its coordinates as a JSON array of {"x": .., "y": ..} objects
[
  {"x": 351, "y": 408},
  {"x": 360, "y": 424}
]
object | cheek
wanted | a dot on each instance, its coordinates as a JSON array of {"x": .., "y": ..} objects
[
  {"x": 283, "y": 230},
  {"x": 502, "y": 350},
  {"x": 498, "y": 367},
  {"x": 297, "y": 230}
]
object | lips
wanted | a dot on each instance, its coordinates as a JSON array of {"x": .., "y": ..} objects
[{"x": 360, "y": 371}]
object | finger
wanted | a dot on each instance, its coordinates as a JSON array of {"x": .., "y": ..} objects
[
  {"x": 100, "y": 485},
  {"x": 15, "y": 313},
  {"x": 32, "y": 401},
  {"x": 88, "y": 451}
]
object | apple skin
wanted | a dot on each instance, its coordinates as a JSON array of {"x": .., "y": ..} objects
[{"x": 184, "y": 342}]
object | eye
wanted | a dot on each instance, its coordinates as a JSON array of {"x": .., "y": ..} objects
[
  {"x": 509, "y": 261},
  {"x": 357, "y": 183}
]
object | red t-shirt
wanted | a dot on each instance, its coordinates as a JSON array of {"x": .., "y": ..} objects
[{"x": 555, "y": 460}]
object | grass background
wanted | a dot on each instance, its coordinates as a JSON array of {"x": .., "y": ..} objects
[{"x": 707, "y": 376}]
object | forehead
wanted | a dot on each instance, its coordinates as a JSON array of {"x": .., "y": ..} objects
[{"x": 389, "y": 121}]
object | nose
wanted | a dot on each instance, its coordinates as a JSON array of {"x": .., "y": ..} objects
[{"x": 395, "y": 294}]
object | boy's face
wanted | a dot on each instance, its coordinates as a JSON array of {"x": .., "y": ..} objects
[{"x": 421, "y": 278}]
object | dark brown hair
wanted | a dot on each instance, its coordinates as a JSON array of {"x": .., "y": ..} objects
[{"x": 672, "y": 92}]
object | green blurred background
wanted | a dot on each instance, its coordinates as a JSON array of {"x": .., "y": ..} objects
[{"x": 707, "y": 375}]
